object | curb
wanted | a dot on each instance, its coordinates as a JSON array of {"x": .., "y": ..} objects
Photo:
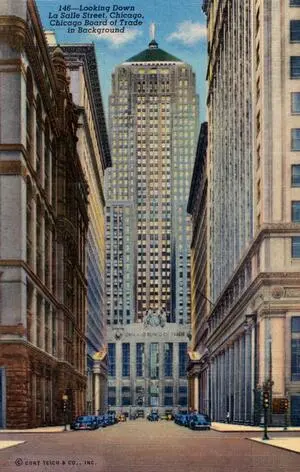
[{"x": 266, "y": 443}]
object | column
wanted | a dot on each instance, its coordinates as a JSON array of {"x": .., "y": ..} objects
[
  {"x": 97, "y": 392},
  {"x": 241, "y": 378},
  {"x": 196, "y": 393},
  {"x": 230, "y": 383},
  {"x": 248, "y": 387},
  {"x": 235, "y": 380},
  {"x": 212, "y": 389},
  {"x": 253, "y": 371}
]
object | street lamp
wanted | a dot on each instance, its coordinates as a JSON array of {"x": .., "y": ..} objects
[{"x": 65, "y": 404}]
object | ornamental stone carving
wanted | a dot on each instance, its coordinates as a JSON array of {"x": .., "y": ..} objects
[{"x": 278, "y": 292}]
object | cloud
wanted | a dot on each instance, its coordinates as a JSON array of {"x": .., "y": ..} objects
[
  {"x": 117, "y": 40},
  {"x": 188, "y": 33}
]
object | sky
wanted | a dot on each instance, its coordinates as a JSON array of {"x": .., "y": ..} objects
[{"x": 180, "y": 30}]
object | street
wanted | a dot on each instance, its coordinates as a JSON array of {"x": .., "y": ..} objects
[{"x": 143, "y": 446}]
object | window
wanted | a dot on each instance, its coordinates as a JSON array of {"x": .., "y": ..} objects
[
  {"x": 294, "y": 3},
  {"x": 126, "y": 396},
  {"x": 140, "y": 349},
  {"x": 296, "y": 247},
  {"x": 168, "y": 358},
  {"x": 295, "y": 67},
  {"x": 295, "y": 102},
  {"x": 295, "y": 144},
  {"x": 154, "y": 361},
  {"x": 295, "y": 358},
  {"x": 125, "y": 359},
  {"x": 111, "y": 396},
  {"x": 182, "y": 359},
  {"x": 295, "y": 31},
  {"x": 296, "y": 212},
  {"x": 295, "y": 175},
  {"x": 182, "y": 400},
  {"x": 295, "y": 324},
  {"x": 111, "y": 359},
  {"x": 168, "y": 396}
]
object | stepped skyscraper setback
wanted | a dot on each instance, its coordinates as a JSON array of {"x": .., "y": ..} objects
[{"x": 153, "y": 125}]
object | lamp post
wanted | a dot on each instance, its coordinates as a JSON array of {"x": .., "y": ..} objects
[{"x": 65, "y": 404}]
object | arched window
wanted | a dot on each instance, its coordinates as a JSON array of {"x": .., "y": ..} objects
[
  {"x": 47, "y": 251},
  {"x": 47, "y": 160},
  {"x": 39, "y": 258},
  {"x": 29, "y": 113},
  {"x": 29, "y": 225},
  {"x": 39, "y": 138}
]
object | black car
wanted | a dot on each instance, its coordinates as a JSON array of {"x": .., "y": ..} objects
[
  {"x": 89, "y": 422},
  {"x": 153, "y": 416},
  {"x": 199, "y": 421}
]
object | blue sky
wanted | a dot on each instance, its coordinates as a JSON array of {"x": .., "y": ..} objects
[{"x": 180, "y": 30}]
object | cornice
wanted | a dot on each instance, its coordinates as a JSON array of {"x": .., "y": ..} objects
[{"x": 13, "y": 32}]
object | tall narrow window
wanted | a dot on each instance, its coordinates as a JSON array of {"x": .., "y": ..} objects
[
  {"x": 111, "y": 359},
  {"x": 168, "y": 358},
  {"x": 295, "y": 348},
  {"x": 39, "y": 139},
  {"x": 140, "y": 347},
  {"x": 29, "y": 114},
  {"x": 111, "y": 396},
  {"x": 29, "y": 225},
  {"x": 125, "y": 359},
  {"x": 154, "y": 361},
  {"x": 182, "y": 359}
]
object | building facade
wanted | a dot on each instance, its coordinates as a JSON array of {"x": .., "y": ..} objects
[
  {"x": 147, "y": 366},
  {"x": 43, "y": 229},
  {"x": 153, "y": 124},
  {"x": 252, "y": 215},
  {"x": 94, "y": 154},
  {"x": 198, "y": 372}
]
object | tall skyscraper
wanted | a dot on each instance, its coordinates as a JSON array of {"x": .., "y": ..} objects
[
  {"x": 253, "y": 211},
  {"x": 153, "y": 125}
]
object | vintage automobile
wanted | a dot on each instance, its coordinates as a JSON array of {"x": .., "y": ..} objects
[
  {"x": 153, "y": 416},
  {"x": 88, "y": 422},
  {"x": 198, "y": 421}
]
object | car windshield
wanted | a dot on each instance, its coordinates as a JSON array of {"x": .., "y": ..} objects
[
  {"x": 81, "y": 419},
  {"x": 200, "y": 417}
]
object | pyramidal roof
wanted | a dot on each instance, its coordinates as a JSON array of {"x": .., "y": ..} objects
[{"x": 153, "y": 54}]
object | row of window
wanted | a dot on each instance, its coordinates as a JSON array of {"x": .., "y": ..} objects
[{"x": 154, "y": 361}]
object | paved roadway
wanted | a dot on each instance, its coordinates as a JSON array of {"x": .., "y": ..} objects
[{"x": 142, "y": 446}]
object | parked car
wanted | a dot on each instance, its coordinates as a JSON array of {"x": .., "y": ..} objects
[
  {"x": 199, "y": 421},
  {"x": 89, "y": 422},
  {"x": 153, "y": 416},
  {"x": 181, "y": 418}
]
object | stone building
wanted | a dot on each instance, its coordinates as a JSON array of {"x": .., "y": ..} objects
[
  {"x": 147, "y": 366},
  {"x": 153, "y": 126},
  {"x": 253, "y": 210},
  {"x": 197, "y": 207},
  {"x": 94, "y": 153},
  {"x": 43, "y": 229}
]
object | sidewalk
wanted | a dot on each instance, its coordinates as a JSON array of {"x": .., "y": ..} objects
[
  {"x": 289, "y": 444},
  {"x": 6, "y": 444},
  {"x": 46, "y": 429},
  {"x": 239, "y": 428}
]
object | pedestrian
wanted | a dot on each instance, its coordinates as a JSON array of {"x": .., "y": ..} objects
[{"x": 227, "y": 417}]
